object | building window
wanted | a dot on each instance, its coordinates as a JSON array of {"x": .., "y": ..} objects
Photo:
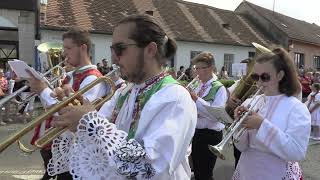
[
  {"x": 194, "y": 54},
  {"x": 316, "y": 62},
  {"x": 299, "y": 60},
  {"x": 251, "y": 54},
  {"x": 228, "y": 61}
]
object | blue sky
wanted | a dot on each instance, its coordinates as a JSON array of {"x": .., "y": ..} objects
[{"x": 307, "y": 10}]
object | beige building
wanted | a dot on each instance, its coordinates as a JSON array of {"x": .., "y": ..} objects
[
  {"x": 18, "y": 30},
  {"x": 300, "y": 38}
]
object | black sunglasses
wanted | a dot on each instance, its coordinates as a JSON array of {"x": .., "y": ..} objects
[
  {"x": 119, "y": 48},
  {"x": 265, "y": 77}
]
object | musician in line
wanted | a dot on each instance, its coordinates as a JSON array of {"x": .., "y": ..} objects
[
  {"x": 144, "y": 131},
  {"x": 210, "y": 92},
  {"x": 279, "y": 125},
  {"x": 77, "y": 46},
  {"x": 313, "y": 104},
  {"x": 234, "y": 102}
]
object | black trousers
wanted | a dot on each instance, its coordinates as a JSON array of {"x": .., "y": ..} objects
[
  {"x": 236, "y": 154},
  {"x": 46, "y": 156},
  {"x": 202, "y": 158}
]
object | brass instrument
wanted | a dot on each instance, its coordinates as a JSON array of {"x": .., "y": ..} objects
[
  {"x": 218, "y": 149},
  {"x": 194, "y": 83},
  {"x": 54, "y": 132},
  {"x": 53, "y": 51},
  {"x": 49, "y": 82},
  {"x": 246, "y": 87}
]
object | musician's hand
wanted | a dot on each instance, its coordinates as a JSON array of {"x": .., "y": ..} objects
[
  {"x": 193, "y": 96},
  {"x": 239, "y": 111},
  {"x": 233, "y": 102},
  {"x": 69, "y": 116},
  {"x": 253, "y": 121},
  {"x": 62, "y": 92},
  {"x": 36, "y": 85}
]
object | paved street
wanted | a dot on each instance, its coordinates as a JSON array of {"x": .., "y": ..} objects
[{"x": 16, "y": 165}]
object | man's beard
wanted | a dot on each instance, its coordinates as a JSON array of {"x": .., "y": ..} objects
[{"x": 138, "y": 74}]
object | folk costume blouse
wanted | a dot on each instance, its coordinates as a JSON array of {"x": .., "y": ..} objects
[
  {"x": 272, "y": 151},
  {"x": 143, "y": 132}
]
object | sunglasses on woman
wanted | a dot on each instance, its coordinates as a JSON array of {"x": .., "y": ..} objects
[
  {"x": 118, "y": 48},
  {"x": 265, "y": 77}
]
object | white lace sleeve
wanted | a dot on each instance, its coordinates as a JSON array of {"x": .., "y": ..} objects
[{"x": 101, "y": 151}]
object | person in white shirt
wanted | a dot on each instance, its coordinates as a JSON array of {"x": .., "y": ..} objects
[
  {"x": 144, "y": 131},
  {"x": 313, "y": 104},
  {"x": 278, "y": 127},
  {"x": 77, "y": 47},
  {"x": 210, "y": 92}
]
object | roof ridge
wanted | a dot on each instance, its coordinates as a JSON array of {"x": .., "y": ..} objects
[
  {"x": 201, "y": 5},
  {"x": 276, "y": 13}
]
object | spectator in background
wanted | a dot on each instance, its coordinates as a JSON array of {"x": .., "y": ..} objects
[
  {"x": 306, "y": 81},
  {"x": 180, "y": 72},
  {"x": 105, "y": 67},
  {"x": 3, "y": 83},
  {"x": 316, "y": 77},
  {"x": 3, "y": 90},
  {"x": 99, "y": 67},
  {"x": 224, "y": 73}
]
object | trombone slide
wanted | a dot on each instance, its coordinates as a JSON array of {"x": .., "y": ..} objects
[{"x": 32, "y": 124}]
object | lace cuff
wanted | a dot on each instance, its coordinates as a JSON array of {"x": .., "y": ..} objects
[
  {"x": 61, "y": 148},
  {"x": 101, "y": 151}
]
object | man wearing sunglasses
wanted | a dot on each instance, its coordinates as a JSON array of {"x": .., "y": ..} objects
[
  {"x": 210, "y": 92},
  {"x": 76, "y": 46},
  {"x": 144, "y": 131}
]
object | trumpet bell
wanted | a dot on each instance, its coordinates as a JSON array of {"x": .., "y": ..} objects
[{"x": 217, "y": 150}]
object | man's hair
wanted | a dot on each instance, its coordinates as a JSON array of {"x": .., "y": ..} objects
[
  {"x": 281, "y": 61},
  {"x": 181, "y": 67},
  {"x": 147, "y": 30},
  {"x": 316, "y": 86},
  {"x": 79, "y": 37},
  {"x": 204, "y": 57}
]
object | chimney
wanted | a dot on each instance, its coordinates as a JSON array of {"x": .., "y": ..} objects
[
  {"x": 43, "y": 10},
  {"x": 149, "y": 12},
  {"x": 226, "y": 25}
]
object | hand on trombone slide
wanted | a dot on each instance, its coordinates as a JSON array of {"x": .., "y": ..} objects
[
  {"x": 70, "y": 115},
  {"x": 252, "y": 121}
]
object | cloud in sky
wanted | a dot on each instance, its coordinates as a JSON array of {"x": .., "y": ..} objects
[{"x": 307, "y": 10}]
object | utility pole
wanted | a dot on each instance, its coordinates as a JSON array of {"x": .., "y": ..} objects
[{"x": 274, "y": 2}]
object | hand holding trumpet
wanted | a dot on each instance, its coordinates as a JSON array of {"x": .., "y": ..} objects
[{"x": 252, "y": 121}]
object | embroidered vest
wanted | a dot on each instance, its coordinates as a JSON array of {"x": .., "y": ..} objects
[
  {"x": 141, "y": 100},
  {"x": 78, "y": 77},
  {"x": 214, "y": 89}
]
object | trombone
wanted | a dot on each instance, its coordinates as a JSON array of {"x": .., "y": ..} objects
[
  {"x": 54, "y": 132},
  {"x": 50, "y": 84},
  {"x": 231, "y": 131}
]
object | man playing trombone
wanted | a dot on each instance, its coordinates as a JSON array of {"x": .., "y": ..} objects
[
  {"x": 76, "y": 46},
  {"x": 210, "y": 92},
  {"x": 144, "y": 131}
]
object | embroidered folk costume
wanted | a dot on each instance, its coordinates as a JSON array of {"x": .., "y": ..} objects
[{"x": 143, "y": 132}]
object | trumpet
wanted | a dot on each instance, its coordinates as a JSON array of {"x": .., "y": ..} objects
[
  {"x": 50, "y": 84},
  {"x": 218, "y": 149},
  {"x": 194, "y": 83},
  {"x": 54, "y": 132}
]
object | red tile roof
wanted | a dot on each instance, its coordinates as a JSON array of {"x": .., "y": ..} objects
[{"x": 182, "y": 20}]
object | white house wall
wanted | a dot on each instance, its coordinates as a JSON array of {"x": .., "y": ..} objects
[
  {"x": 101, "y": 43},
  {"x": 182, "y": 57}
]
